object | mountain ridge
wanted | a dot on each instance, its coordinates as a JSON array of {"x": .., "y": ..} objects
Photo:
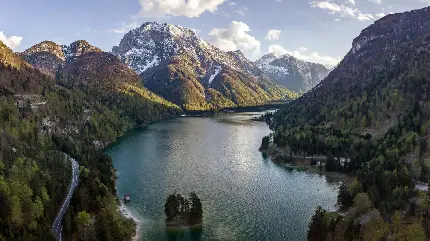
[
  {"x": 370, "y": 118},
  {"x": 297, "y": 75},
  {"x": 49, "y": 57},
  {"x": 190, "y": 72}
]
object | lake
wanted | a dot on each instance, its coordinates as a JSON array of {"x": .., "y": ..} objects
[{"x": 245, "y": 196}]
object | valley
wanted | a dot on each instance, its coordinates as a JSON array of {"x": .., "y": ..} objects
[{"x": 257, "y": 136}]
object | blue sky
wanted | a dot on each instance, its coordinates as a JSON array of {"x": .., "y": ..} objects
[{"x": 318, "y": 31}]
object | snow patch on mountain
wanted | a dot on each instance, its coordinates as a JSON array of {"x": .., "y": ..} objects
[
  {"x": 292, "y": 73},
  {"x": 217, "y": 71},
  {"x": 166, "y": 41},
  {"x": 151, "y": 64}
]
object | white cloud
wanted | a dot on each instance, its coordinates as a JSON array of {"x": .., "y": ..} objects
[
  {"x": 234, "y": 37},
  {"x": 273, "y": 34},
  {"x": 303, "y": 49},
  {"x": 351, "y": 2},
  {"x": 186, "y": 8},
  {"x": 12, "y": 41},
  {"x": 90, "y": 30},
  {"x": 277, "y": 49},
  {"x": 123, "y": 27},
  {"x": 241, "y": 11},
  {"x": 303, "y": 54},
  {"x": 346, "y": 12}
]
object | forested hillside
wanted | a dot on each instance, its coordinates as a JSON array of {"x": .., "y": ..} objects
[
  {"x": 41, "y": 120},
  {"x": 370, "y": 117}
]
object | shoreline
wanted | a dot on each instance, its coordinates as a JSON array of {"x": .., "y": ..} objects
[
  {"x": 299, "y": 164},
  {"x": 126, "y": 213},
  {"x": 183, "y": 227}
]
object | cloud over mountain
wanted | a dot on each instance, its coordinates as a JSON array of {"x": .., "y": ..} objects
[
  {"x": 235, "y": 37},
  {"x": 273, "y": 34},
  {"x": 186, "y": 8},
  {"x": 12, "y": 41},
  {"x": 304, "y": 54}
]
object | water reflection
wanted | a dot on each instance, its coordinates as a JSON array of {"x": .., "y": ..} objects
[
  {"x": 192, "y": 234},
  {"x": 245, "y": 196}
]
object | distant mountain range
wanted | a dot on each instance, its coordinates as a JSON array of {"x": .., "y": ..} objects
[
  {"x": 180, "y": 67},
  {"x": 295, "y": 74}
]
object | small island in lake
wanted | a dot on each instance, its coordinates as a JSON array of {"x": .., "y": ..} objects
[{"x": 183, "y": 212}]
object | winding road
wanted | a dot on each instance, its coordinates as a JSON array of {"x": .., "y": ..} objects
[{"x": 57, "y": 228}]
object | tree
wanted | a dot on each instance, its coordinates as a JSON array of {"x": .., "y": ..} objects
[
  {"x": 183, "y": 211},
  {"x": 196, "y": 207},
  {"x": 375, "y": 228},
  {"x": 413, "y": 232},
  {"x": 85, "y": 226},
  {"x": 265, "y": 143},
  {"x": 344, "y": 198},
  {"x": 318, "y": 227},
  {"x": 172, "y": 206}
]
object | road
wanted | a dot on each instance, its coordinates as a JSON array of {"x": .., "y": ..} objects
[{"x": 57, "y": 228}]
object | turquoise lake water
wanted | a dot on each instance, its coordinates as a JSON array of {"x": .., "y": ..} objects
[{"x": 244, "y": 196}]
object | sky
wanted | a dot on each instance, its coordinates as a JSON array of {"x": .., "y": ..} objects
[{"x": 318, "y": 31}]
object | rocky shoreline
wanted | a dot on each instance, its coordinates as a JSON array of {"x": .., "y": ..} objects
[{"x": 126, "y": 213}]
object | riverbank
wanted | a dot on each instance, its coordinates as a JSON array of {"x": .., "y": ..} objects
[
  {"x": 126, "y": 213},
  {"x": 258, "y": 108},
  {"x": 315, "y": 169},
  {"x": 305, "y": 164}
]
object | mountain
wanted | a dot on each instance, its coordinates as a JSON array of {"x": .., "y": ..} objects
[
  {"x": 93, "y": 100},
  {"x": 296, "y": 75},
  {"x": 48, "y": 56},
  {"x": 385, "y": 70},
  {"x": 104, "y": 71},
  {"x": 370, "y": 118},
  {"x": 17, "y": 76},
  {"x": 188, "y": 71}
]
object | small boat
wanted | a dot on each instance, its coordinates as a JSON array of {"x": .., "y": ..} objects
[{"x": 126, "y": 198}]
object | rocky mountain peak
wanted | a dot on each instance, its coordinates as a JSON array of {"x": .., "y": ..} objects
[
  {"x": 291, "y": 72},
  {"x": 173, "y": 30},
  {"x": 145, "y": 47},
  {"x": 187, "y": 70},
  {"x": 265, "y": 59},
  {"x": 46, "y": 46},
  {"x": 48, "y": 56},
  {"x": 77, "y": 49}
]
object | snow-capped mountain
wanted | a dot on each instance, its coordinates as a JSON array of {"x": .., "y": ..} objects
[
  {"x": 48, "y": 56},
  {"x": 146, "y": 47},
  {"x": 188, "y": 71},
  {"x": 295, "y": 74}
]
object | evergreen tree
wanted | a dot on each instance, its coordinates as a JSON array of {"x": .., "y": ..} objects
[{"x": 318, "y": 227}]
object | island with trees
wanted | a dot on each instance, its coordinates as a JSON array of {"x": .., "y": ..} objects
[{"x": 183, "y": 212}]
